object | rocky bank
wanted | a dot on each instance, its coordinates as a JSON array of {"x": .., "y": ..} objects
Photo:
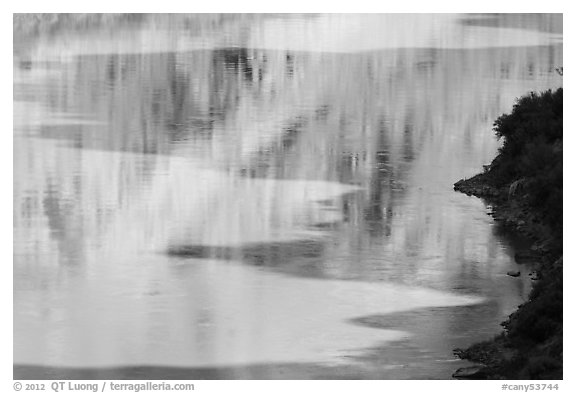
[{"x": 523, "y": 188}]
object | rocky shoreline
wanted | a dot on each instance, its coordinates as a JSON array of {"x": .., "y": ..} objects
[
  {"x": 515, "y": 353},
  {"x": 513, "y": 214},
  {"x": 523, "y": 187}
]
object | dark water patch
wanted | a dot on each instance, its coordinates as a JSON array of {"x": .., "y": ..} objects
[
  {"x": 272, "y": 371},
  {"x": 236, "y": 60},
  {"x": 326, "y": 225},
  {"x": 456, "y": 320},
  {"x": 548, "y": 23},
  {"x": 420, "y": 324},
  {"x": 326, "y": 202},
  {"x": 258, "y": 371},
  {"x": 261, "y": 254}
]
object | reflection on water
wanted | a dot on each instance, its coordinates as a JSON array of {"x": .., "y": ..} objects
[{"x": 226, "y": 192}]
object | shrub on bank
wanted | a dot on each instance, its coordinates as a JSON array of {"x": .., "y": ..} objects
[
  {"x": 533, "y": 116},
  {"x": 531, "y": 153}
]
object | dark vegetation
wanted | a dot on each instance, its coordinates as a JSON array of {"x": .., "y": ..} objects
[
  {"x": 532, "y": 154},
  {"x": 524, "y": 186}
]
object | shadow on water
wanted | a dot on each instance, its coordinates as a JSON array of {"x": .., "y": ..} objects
[
  {"x": 550, "y": 23},
  {"x": 300, "y": 371},
  {"x": 455, "y": 324},
  {"x": 299, "y": 258},
  {"x": 408, "y": 367}
]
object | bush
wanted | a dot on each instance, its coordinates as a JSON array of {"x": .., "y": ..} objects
[
  {"x": 533, "y": 116},
  {"x": 532, "y": 150}
]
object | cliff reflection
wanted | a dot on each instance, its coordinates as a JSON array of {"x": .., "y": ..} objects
[{"x": 400, "y": 124}]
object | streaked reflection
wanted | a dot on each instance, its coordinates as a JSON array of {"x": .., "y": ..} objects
[{"x": 204, "y": 196}]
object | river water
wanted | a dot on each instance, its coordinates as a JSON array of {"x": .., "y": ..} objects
[{"x": 262, "y": 196}]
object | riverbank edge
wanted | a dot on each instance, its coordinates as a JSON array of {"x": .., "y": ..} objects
[{"x": 510, "y": 355}]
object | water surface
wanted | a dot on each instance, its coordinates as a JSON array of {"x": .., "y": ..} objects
[{"x": 262, "y": 196}]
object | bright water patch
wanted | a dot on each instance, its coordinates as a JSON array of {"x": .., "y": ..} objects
[
  {"x": 208, "y": 313},
  {"x": 361, "y": 33}
]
